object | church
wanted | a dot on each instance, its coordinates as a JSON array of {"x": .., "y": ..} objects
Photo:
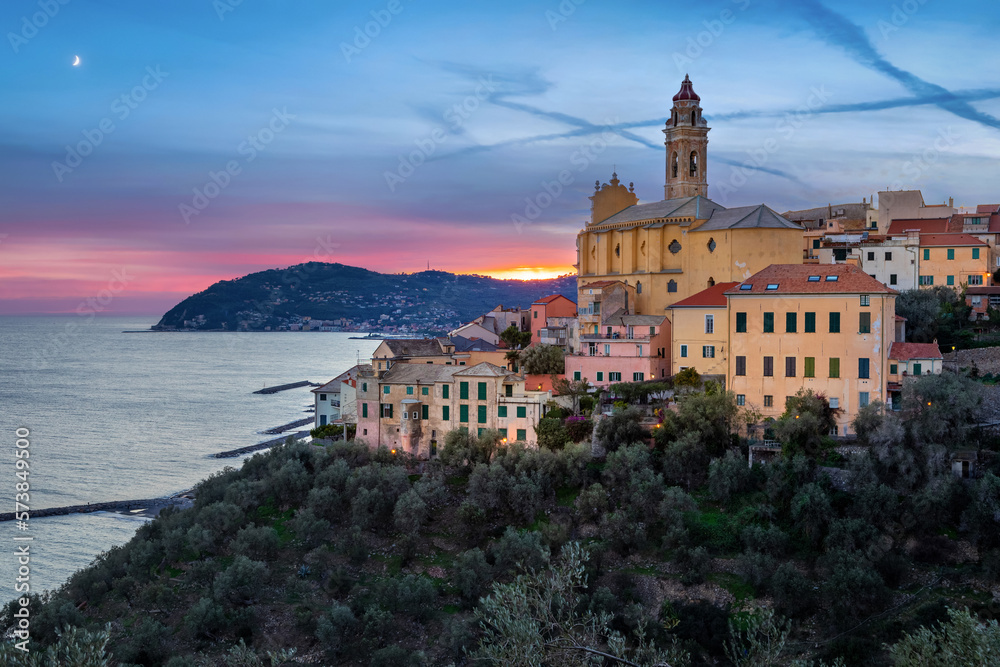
[{"x": 668, "y": 250}]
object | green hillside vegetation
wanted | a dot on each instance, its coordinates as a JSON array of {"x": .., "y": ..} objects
[
  {"x": 436, "y": 299},
  {"x": 672, "y": 554}
]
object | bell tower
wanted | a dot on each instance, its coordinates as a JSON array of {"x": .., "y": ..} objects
[{"x": 687, "y": 146}]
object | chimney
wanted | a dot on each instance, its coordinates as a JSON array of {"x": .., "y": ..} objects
[{"x": 951, "y": 202}]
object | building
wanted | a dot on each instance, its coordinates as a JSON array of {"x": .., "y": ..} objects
[
  {"x": 911, "y": 360},
  {"x": 829, "y": 219},
  {"x": 700, "y": 331},
  {"x": 554, "y": 306},
  {"x": 982, "y": 299},
  {"x": 669, "y": 250},
  {"x": 412, "y": 406},
  {"x": 896, "y": 205},
  {"x": 489, "y": 326},
  {"x": 337, "y": 399},
  {"x": 893, "y": 261},
  {"x": 953, "y": 260},
  {"x": 827, "y": 328}
]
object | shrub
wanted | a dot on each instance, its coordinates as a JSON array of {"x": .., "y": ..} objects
[
  {"x": 259, "y": 543},
  {"x": 686, "y": 461},
  {"x": 578, "y": 428},
  {"x": 811, "y": 511},
  {"x": 792, "y": 592},
  {"x": 543, "y": 360},
  {"x": 519, "y": 550},
  {"x": 756, "y": 567},
  {"x": 309, "y": 528},
  {"x": 410, "y": 512},
  {"x": 240, "y": 582},
  {"x": 729, "y": 477},
  {"x": 472, "y": 574},
  {"x": 622, "y": 533},
  {"x": 144, "y": 643},
  {"x": 552, "y": 434},
  {"x": 621, "y": 428},
  {"x": 335, "y": 628},
  {"x": 205, "y": 618},
  {"x": 592, "y": 502},
  {"x": 805, "y": 425},
  {"x": 771, "y": 540}
]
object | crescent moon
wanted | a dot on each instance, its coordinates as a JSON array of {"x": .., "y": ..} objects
[{"x": 76, "y": 63}]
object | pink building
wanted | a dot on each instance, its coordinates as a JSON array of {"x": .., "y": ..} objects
[
  {"x": 552, "y": 306},
  {"x": 627, "y": 348}
]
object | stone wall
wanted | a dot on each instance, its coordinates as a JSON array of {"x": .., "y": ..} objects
[{"x": 985, "y": 359}]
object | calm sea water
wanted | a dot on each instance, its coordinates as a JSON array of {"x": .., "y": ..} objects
[{"x": 123, "y": 416}]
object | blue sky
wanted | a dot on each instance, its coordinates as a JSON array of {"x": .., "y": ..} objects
[{"x": 809, "y": 102}]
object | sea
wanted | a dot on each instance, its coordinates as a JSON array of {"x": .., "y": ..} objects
[{"x": 112, "y": 415}]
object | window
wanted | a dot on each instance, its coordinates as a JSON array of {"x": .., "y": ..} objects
[
  {"x": 871, "y": 257},
  {"x": 406, "y": 415},
  {"x": 927, "y": 253},
  {"x": 834, "y": 322},
  {"x": 445, "y": 391},
  {"x": 768, "y": 367},
  {"x": 322, "y": 397},
  {"x": 951, "y": 253},
  {"x": 741, "y": 399},
  {"x": 893, "y": 369},
  {"x": 482, "y": 391},
  {"x": 888, "y": 256},
  {"x": 791, "y": 322},
  {"x": 834, "y": 402},
  {"x": 865, "y": 300},
  {"x": 364, "y": 386},
  {"x": 926, "y": 280},
  {"x": 534, "y": 314},
  {"x": 709, "y": 324},
  {"x": 771, "y": 287},
  {"x": 409, "y": 391},
  {"x": 385, "y": 389},
  {"x": 502, "y": 411},
  {"x": 425, "y": 412},
  {"x": 600, "y": 376},
  {"x": 463, "y": 413},
  {"x": 481, "y": 416},
  {"x": 364, "y": 410},
  {"x": 741, "y": 322},
  {"x": 463, "y": 391},
  {"x": 503, "y": 433},
  {"x": 684, "y": 350},
  {"x": 576, "y": 375},
  {"x": 387, "y": 410},
  {"x": 522, "y": 435},
  {"x": 508, "y": 390},
  {"x": 863, "y": 368},
  {"x": 708, "y": 351},
  {"x": 638, "y": 377},
  {"x": 746, "y": 287},
  {"x": 789, "y": 367},
  {"x": 614, "y": 376},
  {"x": 917, "y": 369},
  {"x": 768, "y": 322},
  {"x": 768, "y": 401},
  {"x": 425, "y": 391},
  {"x": 813, "y": 279},
  {"x": 652, "y": 331},
  {"x": 672, "y": 286},
  {"x": 831, "y": 279},
  {"x": 522, "y": 412},
  {"x": 892, "y": 278},
  {"x": 976, "y": 279},
  {"x": 950, "y": 280},
  {"x": 975, "y": 253},
  {"x": 607, "y": 350},
  {"x": 839, "y": 255},
  {"x": 816, "y": 243},
  {"x": 835, "y": 367},
  {"x": 809, "y": 367},
  {"x": 741, "y": 365},
  {"x": 445, "y": 413},
  {"x": 864, "y": 323},
  {"x": 863, "y": 399}
]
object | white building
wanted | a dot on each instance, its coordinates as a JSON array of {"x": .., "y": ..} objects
[
  {"x": 336, "y": 401},
  {"x": 893, "y": 261}
]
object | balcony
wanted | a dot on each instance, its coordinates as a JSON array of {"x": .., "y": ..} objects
[{"x": 614, "y": 336}]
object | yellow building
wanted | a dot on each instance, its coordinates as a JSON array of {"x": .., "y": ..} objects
[
  {"x": 953, "y": 260},
  {"x": 701, "y": 331},
  {"x": 827, "y": 328},
  {"x": 672, "y": 249}
]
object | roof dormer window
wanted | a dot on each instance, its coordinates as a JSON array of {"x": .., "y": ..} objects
[
  {"x": 772, "y": 287},
  {"x": 814, "y": 279},
  {"x": 831, "y": 279},
  {"x": 746, "y": 287}
]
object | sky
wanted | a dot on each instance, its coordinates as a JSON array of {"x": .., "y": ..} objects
[{"x": 201, "y": 140}]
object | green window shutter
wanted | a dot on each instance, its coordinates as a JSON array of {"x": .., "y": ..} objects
[
  {"x": 810, "y": 323},
  {"x": 522, "y": 412},
  {"x": 479, "y": 432},
  {"x": 481, "y": 417},
  {"x": 463, "y": 391},
  {"x": 917, "y": 369},
  {"x": 816, "y": 243},
  {"x": 834, "y": 367},
  {"x": 975, "y": 253},
  {"x": 425, "y": 391},
  {"x": 768, "y": 322},
  {"x": 502, "y": 411},
  {"x": 522, "y": 435},
  {"x": 791, "y": 322},
  {"x": 385, "y": 389},
  {"x": 445, "y": 391},
  {"x": 893, "y": 369},
  {"x": 951, "y": 280},
  {"x": 600, "y": 376},
  {"x": 834, "y": 322},
  {"x": 810, "y": 364},
  {"x": 463, "y": 413},
  {"x": 863, "y": 368},
  {"x": 576, "y": 375},
  {"x": 425, "y": 412},
  {"x": 865, "y": 323},
  {"x": 445, "y": 413},
  {"x": 951, "y": 253},
  {"x": 927, "y": 253},
  {"x": 741, "y": 322},
  {"x": 364, "y": 410},
  {"x": 409, "y": 391},
  {"x": 503, "y": 433},
  {"x": 482, "y": 391}
]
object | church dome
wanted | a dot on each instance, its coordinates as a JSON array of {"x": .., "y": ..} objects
[{"x": 687, "y": 91}]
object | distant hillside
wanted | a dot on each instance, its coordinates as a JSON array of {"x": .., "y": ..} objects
[{"x": 362, "y": 300}]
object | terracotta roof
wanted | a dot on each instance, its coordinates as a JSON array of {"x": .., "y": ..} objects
[
  {"x": 908, "y": 351},
  {"x": 988, "y": 208},
  {"x": 924, "y": 226},
  {"x": 982, "y": 290},
  {"x": 711, "y": 297},
  {"x": 549, "y": 299},
  {"x": 934, "y": 240},
  {"x": 900, "y": 318},
  {"x": 794, "y": 279}
]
